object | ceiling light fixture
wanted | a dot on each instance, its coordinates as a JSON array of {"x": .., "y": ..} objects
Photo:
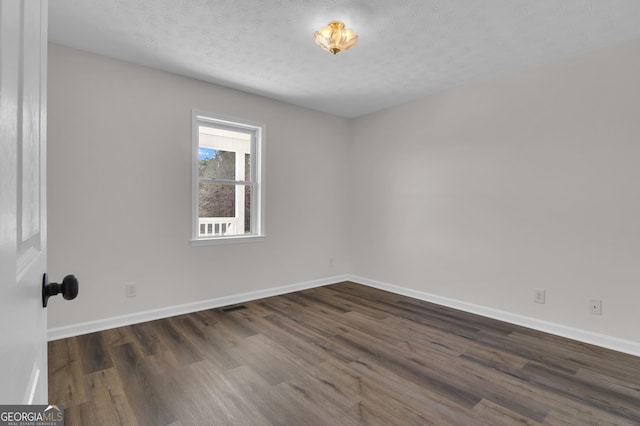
[{"x": 334, "y": 38}]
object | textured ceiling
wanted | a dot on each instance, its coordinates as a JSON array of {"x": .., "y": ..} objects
[{"x": 407, "y": 49}]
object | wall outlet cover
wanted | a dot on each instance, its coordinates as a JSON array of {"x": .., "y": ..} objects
[
  {"x": 595, "y": 307},
  {"x": 130, "y": 290}
]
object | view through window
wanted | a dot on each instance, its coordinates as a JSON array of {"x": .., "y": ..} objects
[{"x": 228, "y": 193}]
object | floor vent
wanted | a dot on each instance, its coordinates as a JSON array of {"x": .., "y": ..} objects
[{"x": 233, "y": 308}]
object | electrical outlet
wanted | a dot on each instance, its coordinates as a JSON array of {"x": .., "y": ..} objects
[
  {"x": 130, "y": 290},
  {"x": 595, "y": 307},
  {"x": 538, "y": 295},
  {"x": 331, "y": 262}
]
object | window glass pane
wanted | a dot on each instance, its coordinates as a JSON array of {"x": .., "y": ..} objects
[
  {"x": 217, "y": 200},
  {"x": 224, "y": 210},
  {"x": 247, "y": 167},
  {"x": 247, "y": 209},
  {"x": 216, "y": 164}
]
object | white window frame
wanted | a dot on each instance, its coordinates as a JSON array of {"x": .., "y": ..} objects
[{"x": 258, "y": 139}]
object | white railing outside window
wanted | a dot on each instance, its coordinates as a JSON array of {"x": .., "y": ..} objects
[{"x": 217, "y": 226}]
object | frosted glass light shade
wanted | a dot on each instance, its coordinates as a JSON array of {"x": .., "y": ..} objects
[{"x": 335, "y": 38}]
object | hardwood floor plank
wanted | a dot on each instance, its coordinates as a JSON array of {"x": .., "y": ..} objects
[
  {"x": 146, "y": 338},
  {"x": 343, "y": 354},
  {"x": 436, "y": 339},
  {"x": 108, "y": 399},
  {"x": 264, "y": 361},
  {"x": 497, "y": 415},
  {"x": 313, "y": 403},
  {"x": 217, "y": 396},
  {"x": 214, "y": 343},
  {"x": 94, "y": 354},
  {"x": 336, "y": 298},
  {"x": 140, "y": 385},
  {"x": 414, "y": 373},
  {"x": 386, "y": 412},
  {"x": 80, "y": 414},
  {"x": 317, "y": 340},
  {"x": 583, "y": 416},
  {"x": 376, "y": 382},
  {"x": 175, "y": 341},
  {"x": 607, "y": 400},
  {"x": 276, "y": 407},
  {"x": 609, "y": 383},
  {"x": 65, "y": 371}
]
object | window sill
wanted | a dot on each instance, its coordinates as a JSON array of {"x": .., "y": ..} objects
[{"x": 238, "y": 239}]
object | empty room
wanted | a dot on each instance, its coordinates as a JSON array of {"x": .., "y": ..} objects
[{"x": 321, "y": 212}]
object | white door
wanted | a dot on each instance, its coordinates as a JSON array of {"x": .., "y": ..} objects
[{"x": 23, "y": 232}]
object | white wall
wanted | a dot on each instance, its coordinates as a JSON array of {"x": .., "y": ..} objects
[
  {"x": 483, "y": 193},
  {"x": 120, "y": 200},
  {"x": 479, "y": 194}
]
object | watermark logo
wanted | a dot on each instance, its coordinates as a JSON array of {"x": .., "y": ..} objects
[{"x": 31, "y": 415}]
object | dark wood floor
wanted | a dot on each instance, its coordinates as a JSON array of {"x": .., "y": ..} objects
[{"x": 344, "y": 354}]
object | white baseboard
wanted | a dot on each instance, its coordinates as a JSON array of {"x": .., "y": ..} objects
[
  {"x": 614, "y": 343},
  {"x": 621, "y": 345},
  {"x": 170, "y": 311}
]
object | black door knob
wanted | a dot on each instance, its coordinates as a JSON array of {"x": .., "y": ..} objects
[{"x": 68, "y": 288}]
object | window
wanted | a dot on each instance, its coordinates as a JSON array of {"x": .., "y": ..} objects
[{"x": 228, "y": 184}]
